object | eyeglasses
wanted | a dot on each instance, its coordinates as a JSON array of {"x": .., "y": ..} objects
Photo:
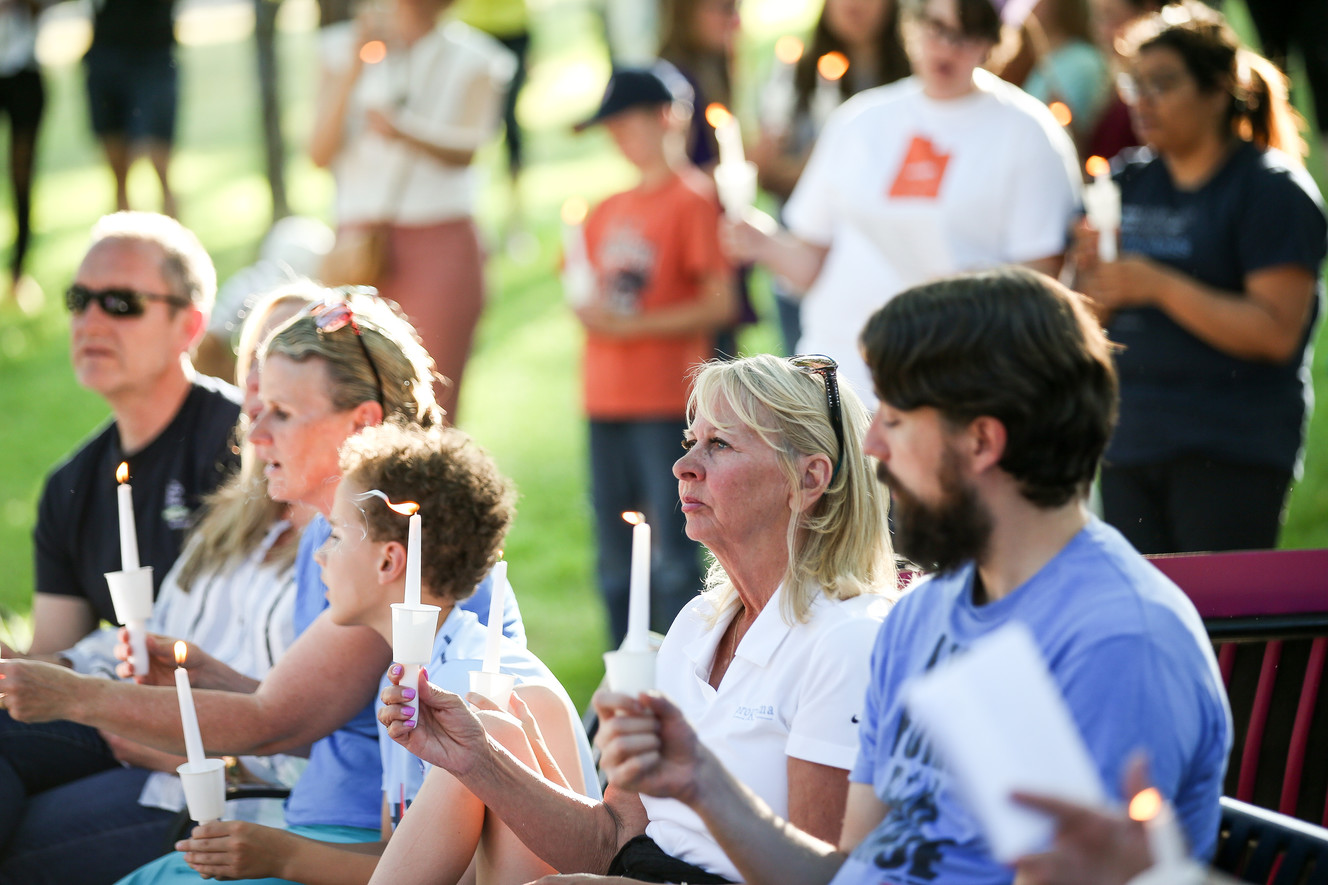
[
  {"x": 941, "y": 32},
  {"x": 329, "y": 316},
  {"x": 116, "y": 302},
  {"x": 820, "y": 364},
  {"x": 1153, "y": 88}
]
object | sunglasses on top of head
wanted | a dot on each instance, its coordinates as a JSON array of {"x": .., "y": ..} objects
[{"x": 117, "y": 302}]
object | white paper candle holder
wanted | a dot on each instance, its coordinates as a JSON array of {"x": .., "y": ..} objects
[
  {"x": 497, "y": 687},
  {"x": 630, "y": 672},
  {"x": 204, "y": 788},
  {"x": 131, "y": 594},
  {"x": 413, "y": 631}
]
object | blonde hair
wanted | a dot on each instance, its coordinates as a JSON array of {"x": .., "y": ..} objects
[
  {"x": 404, "y": 366},
  {"x": 840, "y": 547},
  {"x": 239, "y": 513}
]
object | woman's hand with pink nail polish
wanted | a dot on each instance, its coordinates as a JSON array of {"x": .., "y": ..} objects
[{"x": 439, "y": 727}]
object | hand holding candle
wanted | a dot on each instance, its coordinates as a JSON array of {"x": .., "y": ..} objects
[{"x": 1102, "y": 203}]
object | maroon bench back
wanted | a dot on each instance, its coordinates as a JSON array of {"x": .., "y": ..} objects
[{"x": 1267, "y": 615}]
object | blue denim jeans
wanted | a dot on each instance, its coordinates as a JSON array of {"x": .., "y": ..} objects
[
  {"x": 90, "y": 831},
  {"x": 631, "y": 468},
  {"x": 69, "y": 813}
]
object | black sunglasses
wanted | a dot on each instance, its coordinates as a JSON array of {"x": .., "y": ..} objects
[
  {"x": 329, "y": 316},
  {"x": 116, "y": 302},
  {"x": 820, "y": 364}
]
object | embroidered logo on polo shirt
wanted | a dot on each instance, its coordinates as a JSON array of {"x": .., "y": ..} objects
[
  {"x": 922, "y": 171},
  {"x": 750, "y": 713},
  {"x": 175, "y": 512}
]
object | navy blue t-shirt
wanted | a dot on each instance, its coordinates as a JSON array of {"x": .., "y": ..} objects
[
  {"x": 1179, "y": 395},
  {"x": 76, "y": 539}
]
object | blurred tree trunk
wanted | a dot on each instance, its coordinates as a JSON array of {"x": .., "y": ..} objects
[
  {"x": 265, "y": 37},
  {"x": 332, "y": 11}
]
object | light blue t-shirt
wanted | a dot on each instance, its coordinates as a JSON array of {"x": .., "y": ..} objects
[
  {"x": 1126, "y": 648},
  {"x": 458, "y": 649},
  {"x": 342, "y": 786}
]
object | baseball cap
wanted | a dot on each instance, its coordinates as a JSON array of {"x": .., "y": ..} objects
[{"x": 628, "y": 88}]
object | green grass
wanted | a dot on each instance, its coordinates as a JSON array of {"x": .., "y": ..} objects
[{"x": 521, "y": 399}]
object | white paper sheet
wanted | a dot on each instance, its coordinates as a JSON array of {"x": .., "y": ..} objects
[{"x": 1001, "y": 724}]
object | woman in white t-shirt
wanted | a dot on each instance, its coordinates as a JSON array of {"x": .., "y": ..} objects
[
  {"x": 405, "y": 102},
  {"x": 948, "y": 170},
  {"x": 769, "y": 663}
]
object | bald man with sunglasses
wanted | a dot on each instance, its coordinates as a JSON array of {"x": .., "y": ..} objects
[{"x": 138, "y": 304}]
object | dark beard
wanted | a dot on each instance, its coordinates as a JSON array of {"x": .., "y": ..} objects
[{"x": 943, "y": 537}]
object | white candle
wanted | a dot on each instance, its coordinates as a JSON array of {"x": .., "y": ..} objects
[
  {"x": 413, "y": 561},
  {"x": 193, "y": 740},
  {"x": 638, "y": 603},
  {"x": 128, "y": 531},
  {"x": 493, "y": 645},
  {"x": 735, "y": 178},
  {"x": 1165, "y": 841},
  {"x": 729, "y": 135},
  {"x": 1102, "y": 202},
  {"x": 578, "y": 275}
]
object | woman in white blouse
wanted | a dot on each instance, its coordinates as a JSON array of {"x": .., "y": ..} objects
[{"x": 405, "y": 102}]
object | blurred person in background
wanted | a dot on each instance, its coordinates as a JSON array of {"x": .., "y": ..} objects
[
  {"x": 134, "y": 89},
  {"x": 1215, "y": 296},
  {"x": 1070, "y": 68},
  {"x": 508, "y": 22},
  {"x": 1111, "y": 130},
  {"x": 949, "y": 169},
  {"x": 797, "y": 99},
  {"x": 406, "y": 100},
  {"x": 700, "y": 40},
  {"x": 22, "y": 100},
  {"x": 662, "y": 288}
]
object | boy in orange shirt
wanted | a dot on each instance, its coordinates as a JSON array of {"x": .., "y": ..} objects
[{"x": 663, "y": 288}]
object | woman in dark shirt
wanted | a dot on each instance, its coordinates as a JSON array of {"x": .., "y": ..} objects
[{"x": 1215, "y": 296}]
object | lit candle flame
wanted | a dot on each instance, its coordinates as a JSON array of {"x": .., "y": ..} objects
[
  {"x": 1061, "y": 111},
  {"x": 1146, "y": 805},
  {"x": 635, "y": 517},
  {"x": 717, "y": 115},
  {"x": 832, "y": 65},
  {"x": 1097, "y": 166},
  {"x": 575, "y": 210},
  {"x": 373, "y": 52},
  {"x": 122, "y": 472},
  {"x": 181, "y": 651},
  {"x": 405, "y": 508},
  {"x": 788, "y": 49}
]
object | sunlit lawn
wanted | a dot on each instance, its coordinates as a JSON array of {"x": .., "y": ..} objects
[{"x": 521, "y": 400}]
